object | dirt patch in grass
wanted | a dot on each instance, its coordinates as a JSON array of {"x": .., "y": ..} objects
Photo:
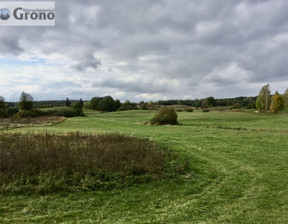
[{"x": 29, "y": 122}]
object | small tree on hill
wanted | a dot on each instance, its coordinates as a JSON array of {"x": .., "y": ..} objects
[
  {"x": 277, "y": 103},
  {"x": 263, "y": 100}
]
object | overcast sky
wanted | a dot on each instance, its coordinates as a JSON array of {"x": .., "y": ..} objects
[{"x": 149, "y": 50}]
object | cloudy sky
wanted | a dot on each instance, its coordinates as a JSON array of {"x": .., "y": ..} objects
[{"x": 149, "y": 50}]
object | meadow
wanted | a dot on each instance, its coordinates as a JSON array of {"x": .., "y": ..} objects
[{"x": 238, "y": 173}]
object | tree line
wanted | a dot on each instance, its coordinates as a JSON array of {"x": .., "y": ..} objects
[
  {"x": 237, "y": 102},
  {"x": 263, "y": 102},
  {"x": 26, "y": 108}
]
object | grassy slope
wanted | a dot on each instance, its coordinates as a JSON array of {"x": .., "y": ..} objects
[{"x": 239, "y": 176}]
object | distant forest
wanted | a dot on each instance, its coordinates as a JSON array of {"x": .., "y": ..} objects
[
  {"x": 45, "y": 103},
  {"x": 237, "y": 102}
]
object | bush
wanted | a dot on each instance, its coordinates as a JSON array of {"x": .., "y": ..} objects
[
  {"x": 12, "y": 111},
  {"x": 3, "y": 113},
  {"x": 26, "y": 105},
  {"x": 26, "y": 113},
  {"x": 189, "y": 110},
  {"x": 38, "y": 112},
  {"x": 78, "y": 109},
  {"x": 205, "y": 110},
  {"x": 165, "y": 116},
  {"x": 3, "y": 105},
  {"x": 236, "y": 106},
  {"x": 65, "y": 112}
]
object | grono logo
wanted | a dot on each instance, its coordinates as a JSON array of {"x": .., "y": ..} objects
[{"x": 5, "y": 13}]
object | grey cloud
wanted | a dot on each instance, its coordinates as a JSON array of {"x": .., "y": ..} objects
[
  {"x": 9, "y": 45},
  {"x": 136, "y": 86},
  {"x": 163, "y": 39},
  {"x": 87, "y": 63}
]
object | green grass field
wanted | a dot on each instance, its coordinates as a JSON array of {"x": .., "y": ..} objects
[{"x": 239, "y": 173}]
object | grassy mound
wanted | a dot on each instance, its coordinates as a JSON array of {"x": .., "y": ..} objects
[
  {"x": 49, "y": 163},
  {"x": 165, "y": 116}
]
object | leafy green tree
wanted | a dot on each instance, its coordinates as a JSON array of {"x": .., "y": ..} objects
[
  {"x": 128, "y": 106},
  {"x": 143, "y": 105},
  {"x": 197, "y": 103},
  {"x": 277, "y": 103},
  {"x": 117, "y": 104},
  {"x": 211, "y": 102},
  {"x": 107, "y": 104},
  {"x": 3, "y": 105},
  {"x": 26, "y": 102},
  {"x": 263, "y": 100},
  {"x": 151, "y": 105},
  {"x": 3, "y": 108},
  {"x": 94, "y": 103},
  {"x": 78, "y": 109}
]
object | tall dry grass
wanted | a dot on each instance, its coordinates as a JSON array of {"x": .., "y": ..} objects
[{"x": 48, "y": 162}]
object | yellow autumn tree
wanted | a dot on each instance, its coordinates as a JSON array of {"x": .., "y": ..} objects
[{"x": 277, "y": 103}]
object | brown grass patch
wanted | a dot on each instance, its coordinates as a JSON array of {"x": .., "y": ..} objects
[
  {"x": 29, "y": 122},
  {"x": 49, "y": 162}
]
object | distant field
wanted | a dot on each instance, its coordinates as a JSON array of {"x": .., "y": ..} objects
[{"x": 239, "y": 173}]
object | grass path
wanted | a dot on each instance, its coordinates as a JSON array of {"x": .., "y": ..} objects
[{"x": 239, "y": 174}]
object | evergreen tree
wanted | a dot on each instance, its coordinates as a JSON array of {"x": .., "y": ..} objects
[
  {"x": 67, "y": 102},
  {"x": 81, "y": 102}
]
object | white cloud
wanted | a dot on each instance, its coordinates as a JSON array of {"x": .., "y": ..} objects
[
  {"x": 148, "y": 50},
  {"x": 232, "y": 74}
]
